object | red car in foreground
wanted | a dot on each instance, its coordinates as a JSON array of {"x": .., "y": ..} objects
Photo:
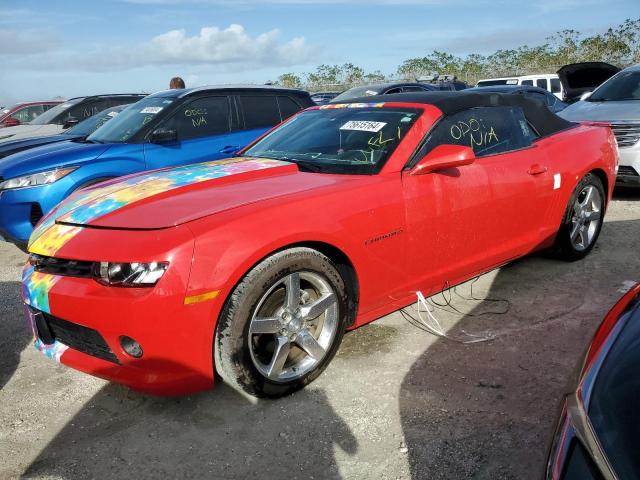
[
  {"x": 255, "y": 266},
  {"x": 24, "y": 112}
]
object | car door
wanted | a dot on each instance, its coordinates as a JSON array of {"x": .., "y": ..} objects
[
  {"x": 203, "y": 128},
  {"x": 462, "y": 221},
  {"x": 258, "y": 113}
]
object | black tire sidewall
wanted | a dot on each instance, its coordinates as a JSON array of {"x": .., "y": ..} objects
[
  {"x": 232, "y": 356},
  {"x": 566, "y": 248}
]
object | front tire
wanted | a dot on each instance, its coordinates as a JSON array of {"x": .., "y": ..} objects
[
  {"x": 282, "y": 324},
  {"x": 582, "y": 220}
]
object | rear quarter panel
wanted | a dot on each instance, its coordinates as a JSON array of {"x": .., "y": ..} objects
[{"x": 572, "y": 154}]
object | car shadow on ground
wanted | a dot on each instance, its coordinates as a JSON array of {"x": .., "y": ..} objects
[
  {"x": 216, "y": 434},
  {"x": 14, "y": 332},
  {"x": 487, "y": 410}
]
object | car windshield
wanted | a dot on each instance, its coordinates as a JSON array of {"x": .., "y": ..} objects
[
  {"x": 48, "y": 116},
  {"x": 130, "y": 120},
  {"x": 338, "y": 140},
  {"x": 357, "y": 92},
  {"x": 91, "y": 124},
  {"x": 623, "y": 86}
]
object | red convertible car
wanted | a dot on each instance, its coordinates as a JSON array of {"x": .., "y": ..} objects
[{"x": 255, "y": 266}]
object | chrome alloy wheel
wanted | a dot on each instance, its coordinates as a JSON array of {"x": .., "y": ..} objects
[
  {"x": 586, "y": 214},
  {"x": 293, "y": 326}
]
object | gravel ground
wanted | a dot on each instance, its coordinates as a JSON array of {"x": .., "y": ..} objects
[{"x": 396, "y": 403}]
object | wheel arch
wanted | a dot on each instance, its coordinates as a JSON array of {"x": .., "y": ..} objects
[
  {"x": 344, "y": 265},
  {"x": 601, "y": 174}
]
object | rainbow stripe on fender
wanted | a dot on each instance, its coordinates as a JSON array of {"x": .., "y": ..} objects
[{"x": 84, "y": 207}]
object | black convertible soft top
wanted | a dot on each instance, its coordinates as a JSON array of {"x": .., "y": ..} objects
[{"x": 543, "y": 120}]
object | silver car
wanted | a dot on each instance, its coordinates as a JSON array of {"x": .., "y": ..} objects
[{"x": 616, "y": 103}]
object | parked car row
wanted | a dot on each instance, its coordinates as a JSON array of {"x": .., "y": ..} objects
[{"x": 251, "y": 249}]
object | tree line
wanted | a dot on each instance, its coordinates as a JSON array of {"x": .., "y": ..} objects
[{"x": 619, "y": 45}]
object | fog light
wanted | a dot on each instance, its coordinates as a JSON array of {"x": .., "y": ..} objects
[{"x": 130, "y": 346}]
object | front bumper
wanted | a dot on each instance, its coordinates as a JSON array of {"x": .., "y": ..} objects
[
  {"x": 21, "y": 208},
  {"x": 176, "y": 338},
  {"x": 629, "y": 166}
]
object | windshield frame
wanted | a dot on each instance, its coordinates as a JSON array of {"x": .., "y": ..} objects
[
  {"x": 139, "y": 134},
  {"x": 307, "y": 164},
  {"x": 55, "y": 112},
  {"x": 607, "y": 84}
]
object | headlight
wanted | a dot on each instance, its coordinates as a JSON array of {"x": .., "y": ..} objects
[
  {"x": 129, "y": 274},
  {"x": 35, "y": 179}
]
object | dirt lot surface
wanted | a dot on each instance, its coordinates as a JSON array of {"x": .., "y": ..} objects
[{"x": 396, "y": 403}]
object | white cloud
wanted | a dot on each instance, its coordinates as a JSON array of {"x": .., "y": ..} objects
[{"x": 212, "y": 45}]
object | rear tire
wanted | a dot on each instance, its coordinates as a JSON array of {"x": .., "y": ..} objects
[
  {"x": 582, "y": 220},
  {"x": 282, "y": 324}
]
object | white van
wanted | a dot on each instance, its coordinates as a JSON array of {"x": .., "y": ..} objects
[{"x": 549, "y": 81}]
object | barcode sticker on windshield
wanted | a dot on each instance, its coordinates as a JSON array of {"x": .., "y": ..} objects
[
  {"x": 153, "y": 110},
  {"x": 112, "y": 114},
  {"x": 363, "y": 126}
]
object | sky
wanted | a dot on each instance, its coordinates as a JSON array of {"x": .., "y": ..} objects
[{"x": 72, "y": 48}]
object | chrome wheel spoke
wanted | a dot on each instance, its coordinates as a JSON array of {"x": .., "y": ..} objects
[
  {"x": 265, "y": 325},
  {"x": 309, "y": 344},
  {"x": 317, "y": 308},
  {"x": 292, "y": 287},
  {"x": 592, "y": 216},
  {"x": 574, "y": 231},
  {"x": 280, "y": 355},
  {"x": 583, "y": 238},
  {"x": 588, "y": 197}
]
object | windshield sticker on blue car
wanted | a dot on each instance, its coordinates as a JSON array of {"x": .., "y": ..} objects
[
  {"x": 363, "y": 126},
  {"x": 152, "y": 110}
]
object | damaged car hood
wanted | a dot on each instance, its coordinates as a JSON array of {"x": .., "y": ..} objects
[{"x": 578, "y": 78}]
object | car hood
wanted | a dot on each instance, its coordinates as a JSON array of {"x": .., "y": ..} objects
[
  {"x": 170, "y": 197},
  {"x": 610, "y": 112},
  {"x": 10, "y": 147},
  {"x": 578, "y": 78},
  {"x": 25, "y": 131},
  {"x": 48, "y": 157}
]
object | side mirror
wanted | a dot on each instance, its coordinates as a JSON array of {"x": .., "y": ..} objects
[
  {"x": 163, "y": 135},
  {"x": 443, "y": 157},
  {"x": 70, "y": 122},
  {"x": 585, "y": 95},
  {"x": 11, "y": 122}
]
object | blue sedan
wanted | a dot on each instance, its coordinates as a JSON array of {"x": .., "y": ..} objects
[{"x": 169, "y": 128}]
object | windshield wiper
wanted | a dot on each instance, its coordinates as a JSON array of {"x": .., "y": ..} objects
[{"x": 309, "y": 166}]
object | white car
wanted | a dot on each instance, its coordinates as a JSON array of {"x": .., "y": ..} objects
[
  {"x": 616, "y": 103},
  {"x": 66, "y": 115},
  {"x": 547, "y": 81}
]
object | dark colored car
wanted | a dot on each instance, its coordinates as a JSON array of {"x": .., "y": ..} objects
[
  {"x": 444, "y": 82},
  {"x": 580, "y": 78},
  {"x": 79, "y": 132},
  {"x": 382, "y": 89},
  {"x": 322, "y": 98},
  {"x": 66, "y": 115},
  {"x": 535, "y": 93},
  {"x": 597, "y": 436},
  {"x": 24, "y": 112}
]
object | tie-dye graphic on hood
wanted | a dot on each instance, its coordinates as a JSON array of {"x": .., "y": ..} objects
[
  {"x": 85, "y": 207},
  {"x": 35, "y": 291}
]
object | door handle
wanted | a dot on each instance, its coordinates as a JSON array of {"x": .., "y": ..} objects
[
  {"x": 230, "y": 149},
  {"x": 536, "y": 169}
]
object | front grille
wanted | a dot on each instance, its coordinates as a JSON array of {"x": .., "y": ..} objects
[
  {"x": 627, "y": 170},
  {"x": 36, "y": 213},
  {"x": 627, "y": 134},
  {"x": 83, "y": 339},
  {"x": 61, "y": 266}
]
